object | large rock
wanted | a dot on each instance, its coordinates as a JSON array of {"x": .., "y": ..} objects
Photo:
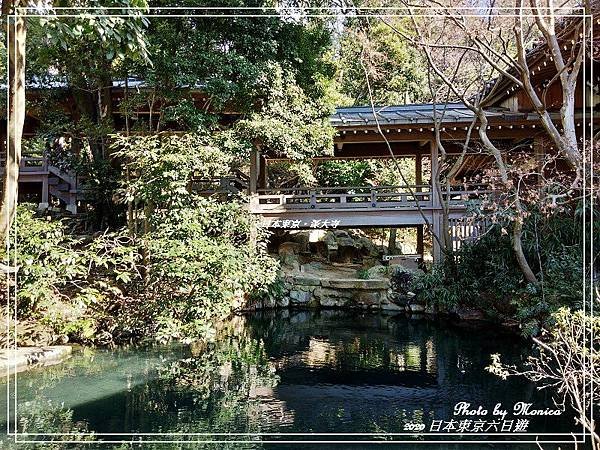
[
  {"x": 283, "y": 301},
  {"x": 341, "y": 234},
  {"x": 288, "y": 254},
  {"x": 355, "y": 283},
  {"x": 465, "y": 313},
  {"x": 298, "y": 297},
  {"x": 321, "y": 293},
  {"x": 302, "y": 238},
  {"x": 367, "y": 247},
  {"x": 305, "y": 280},
  {"x": 345, "y": 241},
  {"x": 330, "y": 241},
  {"x": 416, "y": 308},
  {"x": 389, "y": 306},
  {"x": 371, "y": 298},
  {"x": 24, "y": 358},
  {"x": 313, "y": 265},
  {"x": 333, "y": 302}
]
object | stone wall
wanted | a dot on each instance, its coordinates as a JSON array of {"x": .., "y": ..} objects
[
  {"x": 24, "y": 358},
  {"x": 313, "y": 292}
]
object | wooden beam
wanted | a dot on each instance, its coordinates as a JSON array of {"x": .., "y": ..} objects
[
  {"x": 254, "y": 163},
  {"x": 44, "y": 202},
  {"x": 518, "y": 131},
  {"x": 433, "y": 155},
  {"x": 420, "y": 240},
  {"x": 262, "y": 172},
  {"x": 418, "y": 170}
]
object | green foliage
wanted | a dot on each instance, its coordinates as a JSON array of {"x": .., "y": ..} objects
[
  {"x": 484, "y": 274},
  {"x": 201, "y": 264},
  {"x": 289, "y": 122},
  {"x": 366, "y": 172},
  {"x": 195, "y": 266},
  {"x": 344, "y": 173},
  {"x": 194, "y": 260},
  {"x": 44, "y": 416},
  {"x": 332, "y": 173},
  {"x": 224, "y": 59},
  {"x": 396, "y": 70},
  {"x": 109, "y": 36},
  {"x": 160, "y": 167},
  {"x": 66, "y": 282},
  {"x": 363, "y": 274}
]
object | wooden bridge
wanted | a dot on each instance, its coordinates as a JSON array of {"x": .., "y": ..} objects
[
  {"x": 371, "y": 207},
  {"x": 405, "y": 131},
  {"x": 352, "y": 207}
]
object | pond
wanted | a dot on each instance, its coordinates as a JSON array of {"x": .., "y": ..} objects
[{"x": 289, "y": 372}]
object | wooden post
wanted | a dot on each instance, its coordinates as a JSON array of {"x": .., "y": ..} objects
[
  {"x": 418, "y": 171},
  {"x": 433, "y": 154},
  {"x": 44, "y": 203},
  {"x": 254, "y": 163},
  {"x": 420, "y": 241},
  {"x": 262, "y": 172},
  {"x": 72, "y": 205}
]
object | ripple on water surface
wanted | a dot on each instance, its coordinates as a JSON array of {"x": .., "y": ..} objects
[{"x": 327, "y": 371}]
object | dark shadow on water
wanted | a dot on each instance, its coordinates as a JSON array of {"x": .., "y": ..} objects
[{"x": 290, "y": 371}]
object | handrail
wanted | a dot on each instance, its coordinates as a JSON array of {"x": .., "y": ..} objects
[
  {"x": 414, "y": 187},
  {"x": 33, "y": 164},
  {"x": 341, "y": 188},
  {"x": 361, "y": 197}
]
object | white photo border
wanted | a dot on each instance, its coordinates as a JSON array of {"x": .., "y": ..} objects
[{"x": 259, "y": 12}]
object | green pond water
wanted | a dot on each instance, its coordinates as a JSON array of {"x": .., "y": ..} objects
[{"x": 294, "y": 372}]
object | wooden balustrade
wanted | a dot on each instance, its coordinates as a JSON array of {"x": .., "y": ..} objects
[
  {"x": 33, "y": 164},
  {"x": 28, "y": 165},
  {"x": 360, "y": 197}
]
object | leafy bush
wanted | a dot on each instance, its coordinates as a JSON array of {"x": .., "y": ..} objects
[
  {"x": 202, "y": 262},
  {"x": 63, "y": 279},
  {"x": 194, "y": 267},
  {"x": 484, "y": 274}
]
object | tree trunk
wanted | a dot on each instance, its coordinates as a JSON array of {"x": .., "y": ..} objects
[
  {"x": 392, "y": 242},
  {"x": 16, "y": 34},
  {"x": 519, "y": 255}
]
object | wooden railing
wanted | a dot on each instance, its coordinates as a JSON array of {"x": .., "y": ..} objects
[
  {"x": 28, "y": 164},
  {"x": 33, "y": 164},
  {"x": 360, "y": 197},
  {"x": 342, "y": 197},
  {"x": 223, "y": 185},
  {"x": 461, "y": 195}
]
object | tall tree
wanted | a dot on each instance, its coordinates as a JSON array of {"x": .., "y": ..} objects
[
  {"x": 15, "y": 46},
  {"x": 469, "y": 53},
  {"x": 396, "y": 69}
]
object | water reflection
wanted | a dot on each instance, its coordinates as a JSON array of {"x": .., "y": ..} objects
[{"x": 327, "y": 371}]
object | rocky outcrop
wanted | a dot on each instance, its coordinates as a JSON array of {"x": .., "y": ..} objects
[
  {"x": 311, "y": 291},
  {"x": 288, "y": 254},
  {"x": 337, "y": 269},
  {"x": 466, "y": 313},
  {"x": 334, "y": 245},
  {"x": 24, "y": 358}
]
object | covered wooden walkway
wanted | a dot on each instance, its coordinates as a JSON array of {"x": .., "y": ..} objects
[{"x": 351, "y": 207}]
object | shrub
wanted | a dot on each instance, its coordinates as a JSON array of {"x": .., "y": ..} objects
[
  {"x": 195, "y": 266},
  {"x": 484, "y": 274}
]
